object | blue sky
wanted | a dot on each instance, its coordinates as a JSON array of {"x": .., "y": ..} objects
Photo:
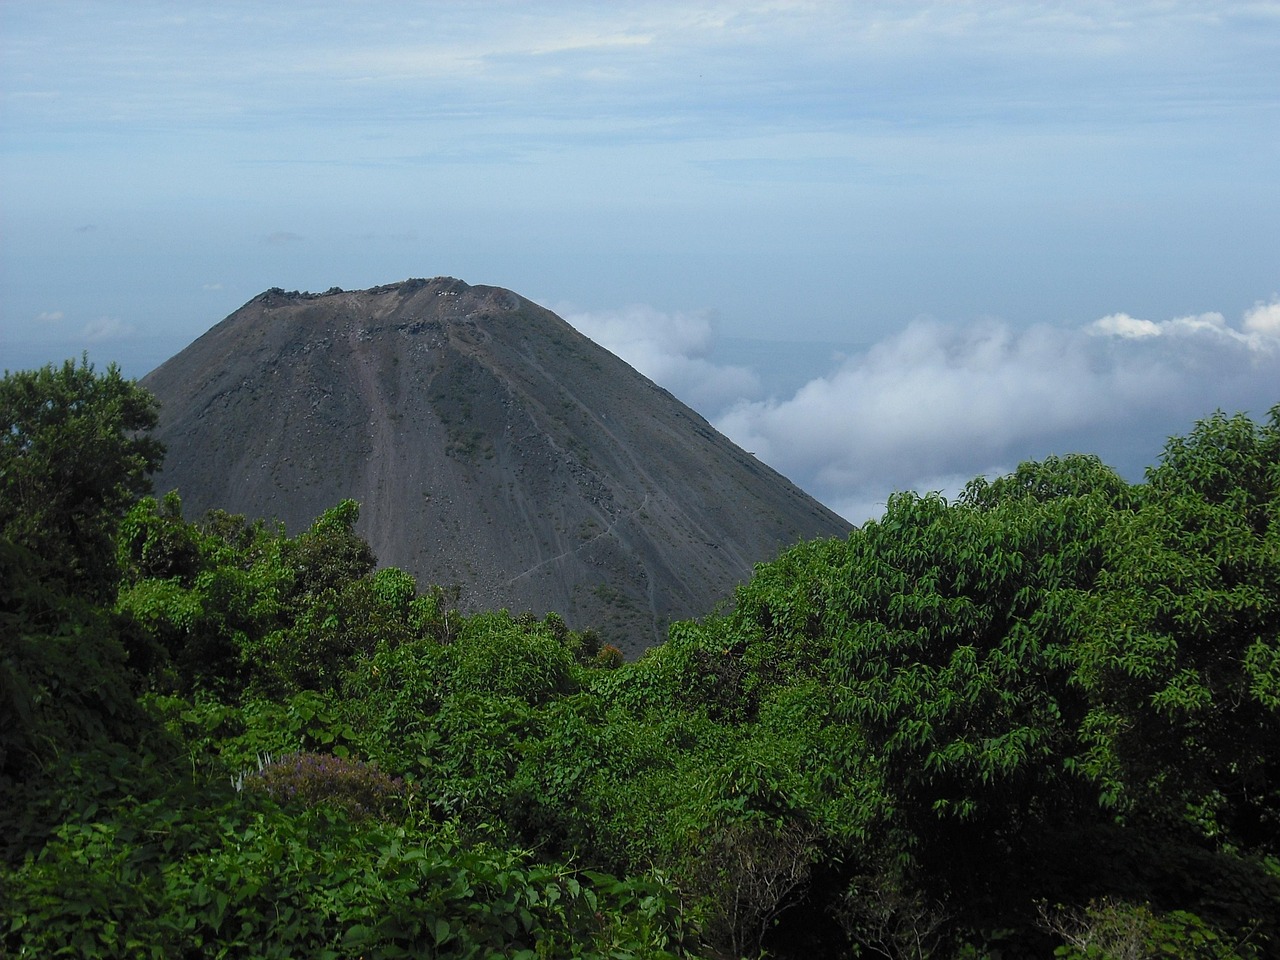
[{"x": 884, "y": 245}]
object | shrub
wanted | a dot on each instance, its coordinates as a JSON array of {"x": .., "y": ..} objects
[
  {"x": 1115, "y": 930},
  {"x": 498, "y": 655},
  {"x": 248, "y": 880},
  {"x": 358, "y": 788},
  {"x": 608, "y": 657}
]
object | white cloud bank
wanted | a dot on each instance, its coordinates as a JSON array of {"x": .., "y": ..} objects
[
  {"x": 672, "y": 349},
  {"x": 938, "y": 403}
]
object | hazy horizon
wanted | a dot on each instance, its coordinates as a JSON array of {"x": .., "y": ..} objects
[{"x": 883, "y": 245}]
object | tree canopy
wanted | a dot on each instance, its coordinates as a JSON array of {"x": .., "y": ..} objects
[
  {"x": 74, "y": 455},
  {"x": 1040, "y": 719}
]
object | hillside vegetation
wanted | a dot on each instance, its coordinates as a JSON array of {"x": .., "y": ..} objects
[{"x": 1043, "y": 719}]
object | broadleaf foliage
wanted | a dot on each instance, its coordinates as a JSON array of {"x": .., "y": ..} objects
[{"x": 1043, "y": 718}]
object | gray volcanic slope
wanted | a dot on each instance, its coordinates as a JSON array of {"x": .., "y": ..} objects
[{"x": 491, "y": 446}]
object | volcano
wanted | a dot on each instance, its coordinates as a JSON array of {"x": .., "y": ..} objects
[{"x": 493, "y": 449}]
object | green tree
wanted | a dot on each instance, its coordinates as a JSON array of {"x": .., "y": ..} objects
[
  {"x": 74, "y": 454},
  {"x": 331, "y": 553},
  {"x": 955, "y": 644},
  {"x": 1183, "y": 662},
  {"x": 225, "y": 605},
  {"x": 196, "y": 596},
  {"x": 64, "y": 685}
]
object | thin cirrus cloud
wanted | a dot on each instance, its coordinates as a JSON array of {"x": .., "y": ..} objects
[
  {"x": 105, "y": 329},
  {"x": 937, "y": 404},
  {"x": 244, "y": 61}
]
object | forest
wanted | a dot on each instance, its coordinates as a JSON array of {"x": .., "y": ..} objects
[{"x": 1039, "y": 719}]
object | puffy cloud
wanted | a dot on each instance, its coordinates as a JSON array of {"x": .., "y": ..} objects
[
  {"x": 672, "y": 349},
  {"x": 1264, "y": 320},
  {"x": 939, "y": 403},
  {"x": 1259, "y": 330},
  {"x": 49, "y": 316},
  {"x": 1123, "y": 325}
]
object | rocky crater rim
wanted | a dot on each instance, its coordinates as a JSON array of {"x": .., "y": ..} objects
[{"x": 410, "y": 285}]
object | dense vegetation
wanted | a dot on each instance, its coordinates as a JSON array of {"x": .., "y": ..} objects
[{"x": 1042, "y": 718}]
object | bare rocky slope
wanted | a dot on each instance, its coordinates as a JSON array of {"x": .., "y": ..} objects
[{"x": 491, "y": 446}]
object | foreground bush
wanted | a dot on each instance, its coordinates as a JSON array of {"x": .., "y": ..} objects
[
  {"x": 1042, "y": 717},
  {"x": 358, "y": 789},
  {"x": 245, "y": 879}
]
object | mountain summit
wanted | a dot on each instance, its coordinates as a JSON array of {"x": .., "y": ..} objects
[{"x": 491, "y": 447}]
